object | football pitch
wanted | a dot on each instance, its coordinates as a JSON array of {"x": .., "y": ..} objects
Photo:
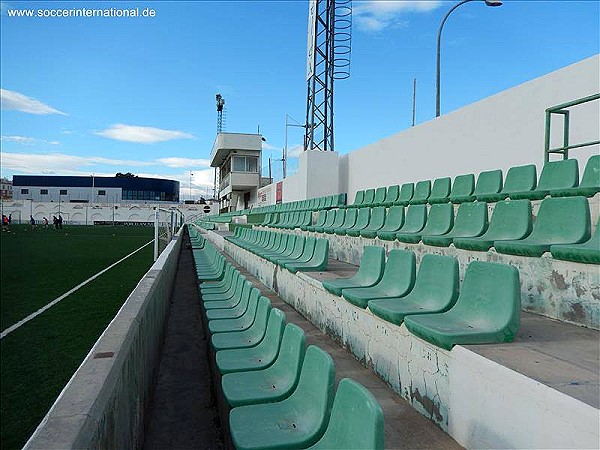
[{"x": 38, "y": 266}]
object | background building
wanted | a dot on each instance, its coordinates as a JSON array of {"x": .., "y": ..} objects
[
  {"x": 90, "y": 189},
  {"x": 6, "y": 189}
]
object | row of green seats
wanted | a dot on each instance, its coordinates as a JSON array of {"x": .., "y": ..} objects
[
  {"x": 558, "y": 179},
  {"x": 563, "y": 227},
  {"x": 197, "y": 241},
  {"x": 205, "y": 225},
  {"x": 312, "y": 204},
  {"x": 288, "y": 220},
  {"x": 269, "y": 378},
  {"x": 486, "y": 310},
  {"x": 295, "y": 253}
]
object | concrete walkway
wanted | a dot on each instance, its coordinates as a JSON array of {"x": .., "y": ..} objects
[{"x": 183, "y": 413}]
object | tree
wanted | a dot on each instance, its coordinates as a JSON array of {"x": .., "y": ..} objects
[{"x": 125, "y": 175}]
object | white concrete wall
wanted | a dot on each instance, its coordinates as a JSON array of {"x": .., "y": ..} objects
[
  {"x": 501, "y": 131},
  {"x": 317, "y": 176}
]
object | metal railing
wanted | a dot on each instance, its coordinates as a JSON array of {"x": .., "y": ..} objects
[{"x": 563, "y": 110}]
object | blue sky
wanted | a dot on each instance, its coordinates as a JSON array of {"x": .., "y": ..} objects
[{"x": 106, "y": 95}]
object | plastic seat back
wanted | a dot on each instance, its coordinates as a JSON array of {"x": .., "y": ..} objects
[
  {"x": 356, "y": 420},
  {"x": 416, "y": 215},
  {"x": 371, "y": 266},
  {"x": 391, "y": 195},
  {"x": 291, "y": 356},
  {"x": 377, "y": 218},
  {"x": 520, "y": 179},
  {"x": 380, "y": 195},
  {"x": 463, "y": 187},
  {"x": 591, "y": 175},
  {"x": 349, "y": 219},
  {"x": 471, "y": 219},
  {"x": 362, "y": 218},
  {"x": 313, "y": 396},
  {"x": 422, "y": 192},
  {"x": 298, "y": 248},
  {"x": 359, "y": 198},
  {"x": 394, "y": 219},
  {"x": 564, "y": 220},
  {"x": 369, "y": 197},
  {"x": 330, "y": 217},
  {"x": 436, "y": 284},
  {"x": 309, "y": 249},
  {"x": 489, "y": 182},
  {"x": 440, "y": 190},
  {"x": 439, "y": 220},
  {"x": 510, "y": 220},
  {"x": 321, "y": 219},
  {"x": 559, "y": 174},
  {"x": 406, "y": 194},
  {"x": 340, "y": 215},
  {"x": 399, "y": 273},
  {"x": 490, "y": 297}
]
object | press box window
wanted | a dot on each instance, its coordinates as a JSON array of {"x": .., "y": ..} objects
[
  {"x": 63, "y": 192},
  {"x": 43, "y": 191},
  {"x": 245, "y": 164},
  {"x": 101, "y": 192},
  {"x": 24, "y": 191}
]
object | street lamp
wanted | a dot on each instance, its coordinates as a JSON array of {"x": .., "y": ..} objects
[
  {"x": 191, "y": 175},
  {"x": 437, "y": 70}
]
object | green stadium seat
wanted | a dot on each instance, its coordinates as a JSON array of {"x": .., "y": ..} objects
[
  {"x": 239, "y": 323},
  {"x": 487, "y": 310},
  {"x": 329, "y": 218},
  {"x": 340, "y": 200},
  {"x": 590, "y": 182},
  {"x": 250, "y": 293},
  {"x": 369, "y": 197},
  {"x": 235, "y": 306},
  {"x": 318, "y": 261},
  {"x": 298, "y": 421},
  {"x": 219, "y": 287},
  {"x": 376, "y": 222},
  {"x": 362, "y": 221},
  {"x": 287, "y": 252},
  {"x": 258, "y": 357},
  {"x": 391, "y": 196},
  {"x": 369, "y": 272},
  {"x": 359, "y": 200},
  {"x": 356, "y": 421},
  {"x": 564, "y": 220},
  {"x": 421, "y": 194},
  {"x": 440, "y": 191},
  {"x": 380, "y": 196},
  {"x": 407, "y": 191},
  {"x": 435, "y": 290},
  {"x": 249, "y": 337},
  {"x": 338, "y": 221},
  {"x": 555, "y": 175},
  {"x": 393, "y": 222},
  {"x": 349, "y": 221},
  {"x": 488, "y": 183},
  {"x": 235, "y": 288},
  {"x": 471, "y": 220},
  {"x": 398, "y": 279},
  {"x": 305, "y": 256},
  {"x": 439, "y": 221},
  {"x": 274, "y": 383},
  {"x": 462, "y": 188},
  {"x": 586, "y": 252},
  {"x": 511, "y": 220},
  {"x": 296, "y": 252},
  {"x": 518, "y": 179},
  {"x": 319, "y": 223}
]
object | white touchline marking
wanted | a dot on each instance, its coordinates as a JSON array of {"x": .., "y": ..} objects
[{"x": 66, "y": 294}]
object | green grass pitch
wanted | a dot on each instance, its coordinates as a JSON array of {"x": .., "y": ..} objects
[{"x": 37, "y": 360}]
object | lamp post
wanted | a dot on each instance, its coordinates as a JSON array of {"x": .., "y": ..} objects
[
  {"x": 191, "y": 175},
  {"x": 439, "y": 35},
  {"x": 298, "y": 125}
]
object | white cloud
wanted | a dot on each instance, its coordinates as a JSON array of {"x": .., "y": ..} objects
[
  {"x": 179, "y": 163},
  {"x": 295, "y": 151},
  {"x": 376, "y": 15},
  {"x": 23, "y": 140},
  {"x": 143, "y": 135},
  {"x": 12, "y": 100}
]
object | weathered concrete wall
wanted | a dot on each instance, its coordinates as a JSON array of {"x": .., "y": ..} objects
[
  {"x": 479, "y": 403},
  {"x": 104, "y": 403}
]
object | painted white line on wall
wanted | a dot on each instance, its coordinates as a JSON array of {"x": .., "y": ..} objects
[{"x": 66, "y": 294}]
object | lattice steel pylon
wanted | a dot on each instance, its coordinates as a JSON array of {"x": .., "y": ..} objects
[{"x": 328, "y": 58}]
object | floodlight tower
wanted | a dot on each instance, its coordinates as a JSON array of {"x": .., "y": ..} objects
[
  {"x": 220, "y": 109},
  {"x": 328, "y": 58}
]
